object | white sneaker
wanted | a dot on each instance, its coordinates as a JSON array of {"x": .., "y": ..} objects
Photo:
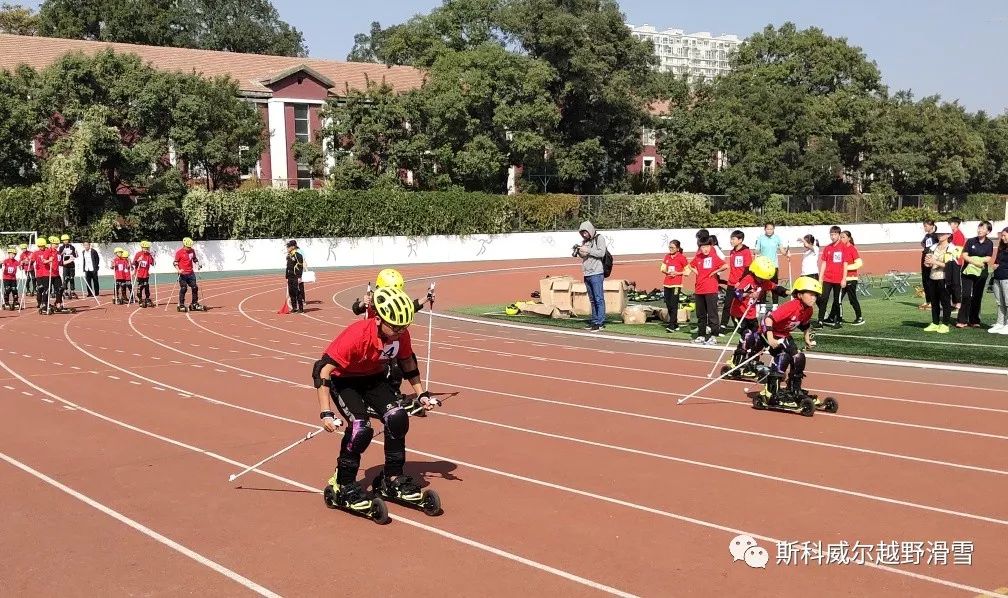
[
  {"x": 712, "y": 340},
  {"x": 698, "y": 340},
  {"x": 1003, "y": 330},
  {"x": 996, "y": 329}
]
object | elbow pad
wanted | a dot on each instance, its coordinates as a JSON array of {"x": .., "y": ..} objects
[{"x": 317, "y": 372}]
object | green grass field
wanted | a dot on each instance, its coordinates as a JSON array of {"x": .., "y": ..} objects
[{"x": 894, "y": 328}]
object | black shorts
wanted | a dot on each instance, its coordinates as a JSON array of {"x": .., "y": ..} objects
[{"x": 360, "y": 397}]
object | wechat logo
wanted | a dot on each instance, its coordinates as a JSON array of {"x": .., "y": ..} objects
[{"x": 744, "y": 548}]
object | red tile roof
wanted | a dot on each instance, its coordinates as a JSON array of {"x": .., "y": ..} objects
[{"x": 248, "y": 69}]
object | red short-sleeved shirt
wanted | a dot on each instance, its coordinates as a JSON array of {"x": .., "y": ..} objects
[
  {"x": 143, "y": 262},
  {"x": 834, "y": 255},
  {"x": 959, "y": 240},
  {"x": 26, "y": 259},
  {"x": 10, "y": 268},
  {"x": 677, "y": 261},
  {"x": 748, "y": 288},
  {"x": 738, "y": 261},
  {"x": 121, "y": 267},
  {"x": 704, "y": 265},
  {"x": 360, "y": 351},
  {"x": 40, "y": 260},
  {"x": 184, "y": 259},
  {"x": 790, "y": 316},
  {"x": 852, "y": 255}
]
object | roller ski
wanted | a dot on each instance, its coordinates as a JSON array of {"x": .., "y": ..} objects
[
  {"x": 181, "y": 308},
  {"x": 197, "y": 307},
  {"x": 353, "y": 499},
  {"x": 403, "y": 490},
  {"x": 753, "y": 371},
  {"x": 11, "y": 306},
  {"x": 792, "y": 401}
]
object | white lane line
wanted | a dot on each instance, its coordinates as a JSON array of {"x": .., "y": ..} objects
[{"x": 251, "y": 585}]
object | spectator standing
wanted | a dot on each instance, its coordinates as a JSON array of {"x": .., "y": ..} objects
[
  {"x": 295, "y": 269},
  {"x": 673, "y": 266},
  {"x": 958, "y": 241},
  {"x": 939, "y": 263},
  {"x": 976, "y": 257},
  {"x": 707, "y": 265},
  {"x": 591, "y": 251},
  {"x": 770, "y": 245},
  {"x": 739, "y": 259},
  {"x": 927, "y": 243},
  {"x": 1000, "y": 280},
  {"x": 89, "y": 257},
  {"x": 833, "y": 274},
  {"x": 854, "y": 265},
  {"x": 810, "y": 257}
]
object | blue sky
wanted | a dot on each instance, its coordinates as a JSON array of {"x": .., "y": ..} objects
[{"x": 941, "y": 47}]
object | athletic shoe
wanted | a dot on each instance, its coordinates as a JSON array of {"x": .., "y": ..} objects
[
  {"x": 858, "y": 322},
  {"x": 931, "y": 328},
  {"x": 712, "y": 340},
  {"x": 996, "y": 328},
  {"x": 943, "y": 329},
  {"x": 671, "y": 329},
  {"x": 589, "y": 326},
  {"x": 698, "y": 340},
  {"x": 1003, "y": 330},
  {"x": 817, "y": 324}
]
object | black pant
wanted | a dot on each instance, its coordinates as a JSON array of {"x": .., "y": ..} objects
[
  {"x": 706, "y": 313},
  {"x": 353, "y": 397},
  {"x": 124, "y": 290},
  {"x": 928, "y": 287},
  {"x": 672, "y": 305},
  {"x": 42, "y": 290},
  {"x": 187, "y": 280},
  {"x": 954, "y": 275},
  {"x": 91, "y": 282},
  {"x": 57, "y": 289},
  {"x": 834, "y": 313},
  {"x": 850, "y": 292},
  {"x": 295, "y": 291},
  {"x": 940, "y": 294},
  {"x": 10, "y": 292},
  {"x": 30, "y": 283},
  {"x": 787, "y": 359},
  {"x": 70, "y": 277},
  {"x": 726, "y": 310},
  {"x": 972, "y": 298},
  {"x": 143, "y": 288}
]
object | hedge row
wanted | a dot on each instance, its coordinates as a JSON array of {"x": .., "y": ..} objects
[{"x": 272, "y": 213}]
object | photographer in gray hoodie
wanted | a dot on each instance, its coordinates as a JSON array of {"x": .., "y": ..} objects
[{"x": 591, "y": 251}]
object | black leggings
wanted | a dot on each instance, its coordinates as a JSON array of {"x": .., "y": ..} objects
[
  {"x": 850, "y": 292},
  {"x": 834, "y": 313},
  {"x": 70, "y": 277},
  {"x": 187, "y": 280},
  {"x": 143, "y": 288},
  {"x": 928, "y": 287},
  {"x": 295, "y": 291},
  {"x": 954, "y": 274},
  {"x": 10, "y": 292},
  {"x": 726, "y": 310},
  {"x": 672, "y": 305},
  {"x": 124, "y": 290},
  {"x": 972, "y": 298},
  {"x": 706, "y": 314},
  {"x": 940, "y": 295},
  {"x": 353, "y": 397},
  {"x": 787, "y": 359}
]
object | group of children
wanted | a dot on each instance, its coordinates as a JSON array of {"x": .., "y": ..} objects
[{"x": 44, "y": 278}]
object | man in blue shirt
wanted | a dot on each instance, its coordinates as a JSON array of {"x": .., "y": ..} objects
[{"x": 770, "y": 245}]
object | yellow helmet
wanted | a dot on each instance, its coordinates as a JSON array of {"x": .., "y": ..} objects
[
  {"x": 145, "y": 245},
  {"x": 389, "y": 278},
  {"x": 763, "y": 267},
  {"x": 807, "y": 283},
  {"x": 54, "y": 239},
  {"x": 187, "y": 242},
  {"x": 119, "y": 251},
  {"x": 24, "y": 246},
  {"x": 394, "y": 306},
  {"x": 41, "y": 242},
  {"x": 512, "y": 310},
  {"x": 65, "y": 238},
  {"x": 12, "y": 250}
]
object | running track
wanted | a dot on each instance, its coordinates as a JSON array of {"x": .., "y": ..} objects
[{"x": 564, "y": 463}]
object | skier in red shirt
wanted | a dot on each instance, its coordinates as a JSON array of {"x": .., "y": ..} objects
[
  {"x": 787, "y": 359},
  {"x": 143, "y": 261},
  {"x": 42, "y": 273},
  {"x": 387, "y": 278},
  {"x": 749, "y": 294},
  {"x": 738, "y": 263},
  {"x": 185, "y": 261},
  {"x": 10, "y": 287},
  {"x": 26, "y": 258},
  {"x": 352, "y": 374},
  {"x": 123, "y": 279}
]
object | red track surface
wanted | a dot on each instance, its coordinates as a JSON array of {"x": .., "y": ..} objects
[{"x": 564, "y": 464}]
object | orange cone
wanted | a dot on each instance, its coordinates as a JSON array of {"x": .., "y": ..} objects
[{"x": 285, "y": 309}]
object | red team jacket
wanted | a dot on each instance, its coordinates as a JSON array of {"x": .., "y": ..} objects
[
  {"x": 360, "y": 351},
  {"x": 142, "y": 263},
  {"x": 790, "y": 316},
  {"x": 10, "y": 268},
  {"x": 121, "y": 266}
]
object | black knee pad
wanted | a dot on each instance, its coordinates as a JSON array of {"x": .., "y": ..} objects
[
  {"x": 798, "y": 365},
  {"x": 396, "y": 422},
  {"x": 358, "y": 436}
]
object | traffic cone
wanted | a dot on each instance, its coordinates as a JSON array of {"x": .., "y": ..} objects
[{"x": 284, "y": 309}]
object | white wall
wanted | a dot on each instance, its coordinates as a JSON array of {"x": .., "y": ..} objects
[{"x": 264, "y": 254}]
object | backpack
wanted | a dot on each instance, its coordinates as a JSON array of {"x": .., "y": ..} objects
[{"x": 607, "y": 263}]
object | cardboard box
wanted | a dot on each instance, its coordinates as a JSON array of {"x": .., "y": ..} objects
[
  {"x": 580, "y": 305},
  {"x": 613, "y": 291},
  {"x": 555, "y": 290},
  {"x": 634, "y": 315},
  {"x": 683, "y": 316}
]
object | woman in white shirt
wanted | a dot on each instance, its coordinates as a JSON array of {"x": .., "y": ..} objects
[{"x": 810, "y": 257}]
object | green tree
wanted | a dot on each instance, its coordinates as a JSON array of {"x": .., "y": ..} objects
[
  {"x": 17, "y": 20},
  {"x": 18, "y": 125},
  {"x": 212, "y": 128},
  {"x": 251, "y": 26}
]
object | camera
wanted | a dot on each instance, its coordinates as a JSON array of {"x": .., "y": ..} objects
[{"x": 575, "y": 250}]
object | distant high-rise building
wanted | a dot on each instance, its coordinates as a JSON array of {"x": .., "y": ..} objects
[{"x": 699, "y": 55}]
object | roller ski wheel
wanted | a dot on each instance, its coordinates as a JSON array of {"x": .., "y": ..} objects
[
  {"x": 378, "y": 512},
  {"x": 181, "y": 308},
  {"x": 829, "y": 405},
  {"x": 404, "y": 491},
  {"x": 197, "y": 307}
]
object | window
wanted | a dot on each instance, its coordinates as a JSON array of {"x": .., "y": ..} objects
[
  {"x": 302, "y": 133},
  {"x": 649, "y": 165},
  {"x": 649, "y": 137},
  {"x": 252, "y": 172}
]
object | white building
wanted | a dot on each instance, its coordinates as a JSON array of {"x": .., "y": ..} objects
[{"x": 699, "y": 55}]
